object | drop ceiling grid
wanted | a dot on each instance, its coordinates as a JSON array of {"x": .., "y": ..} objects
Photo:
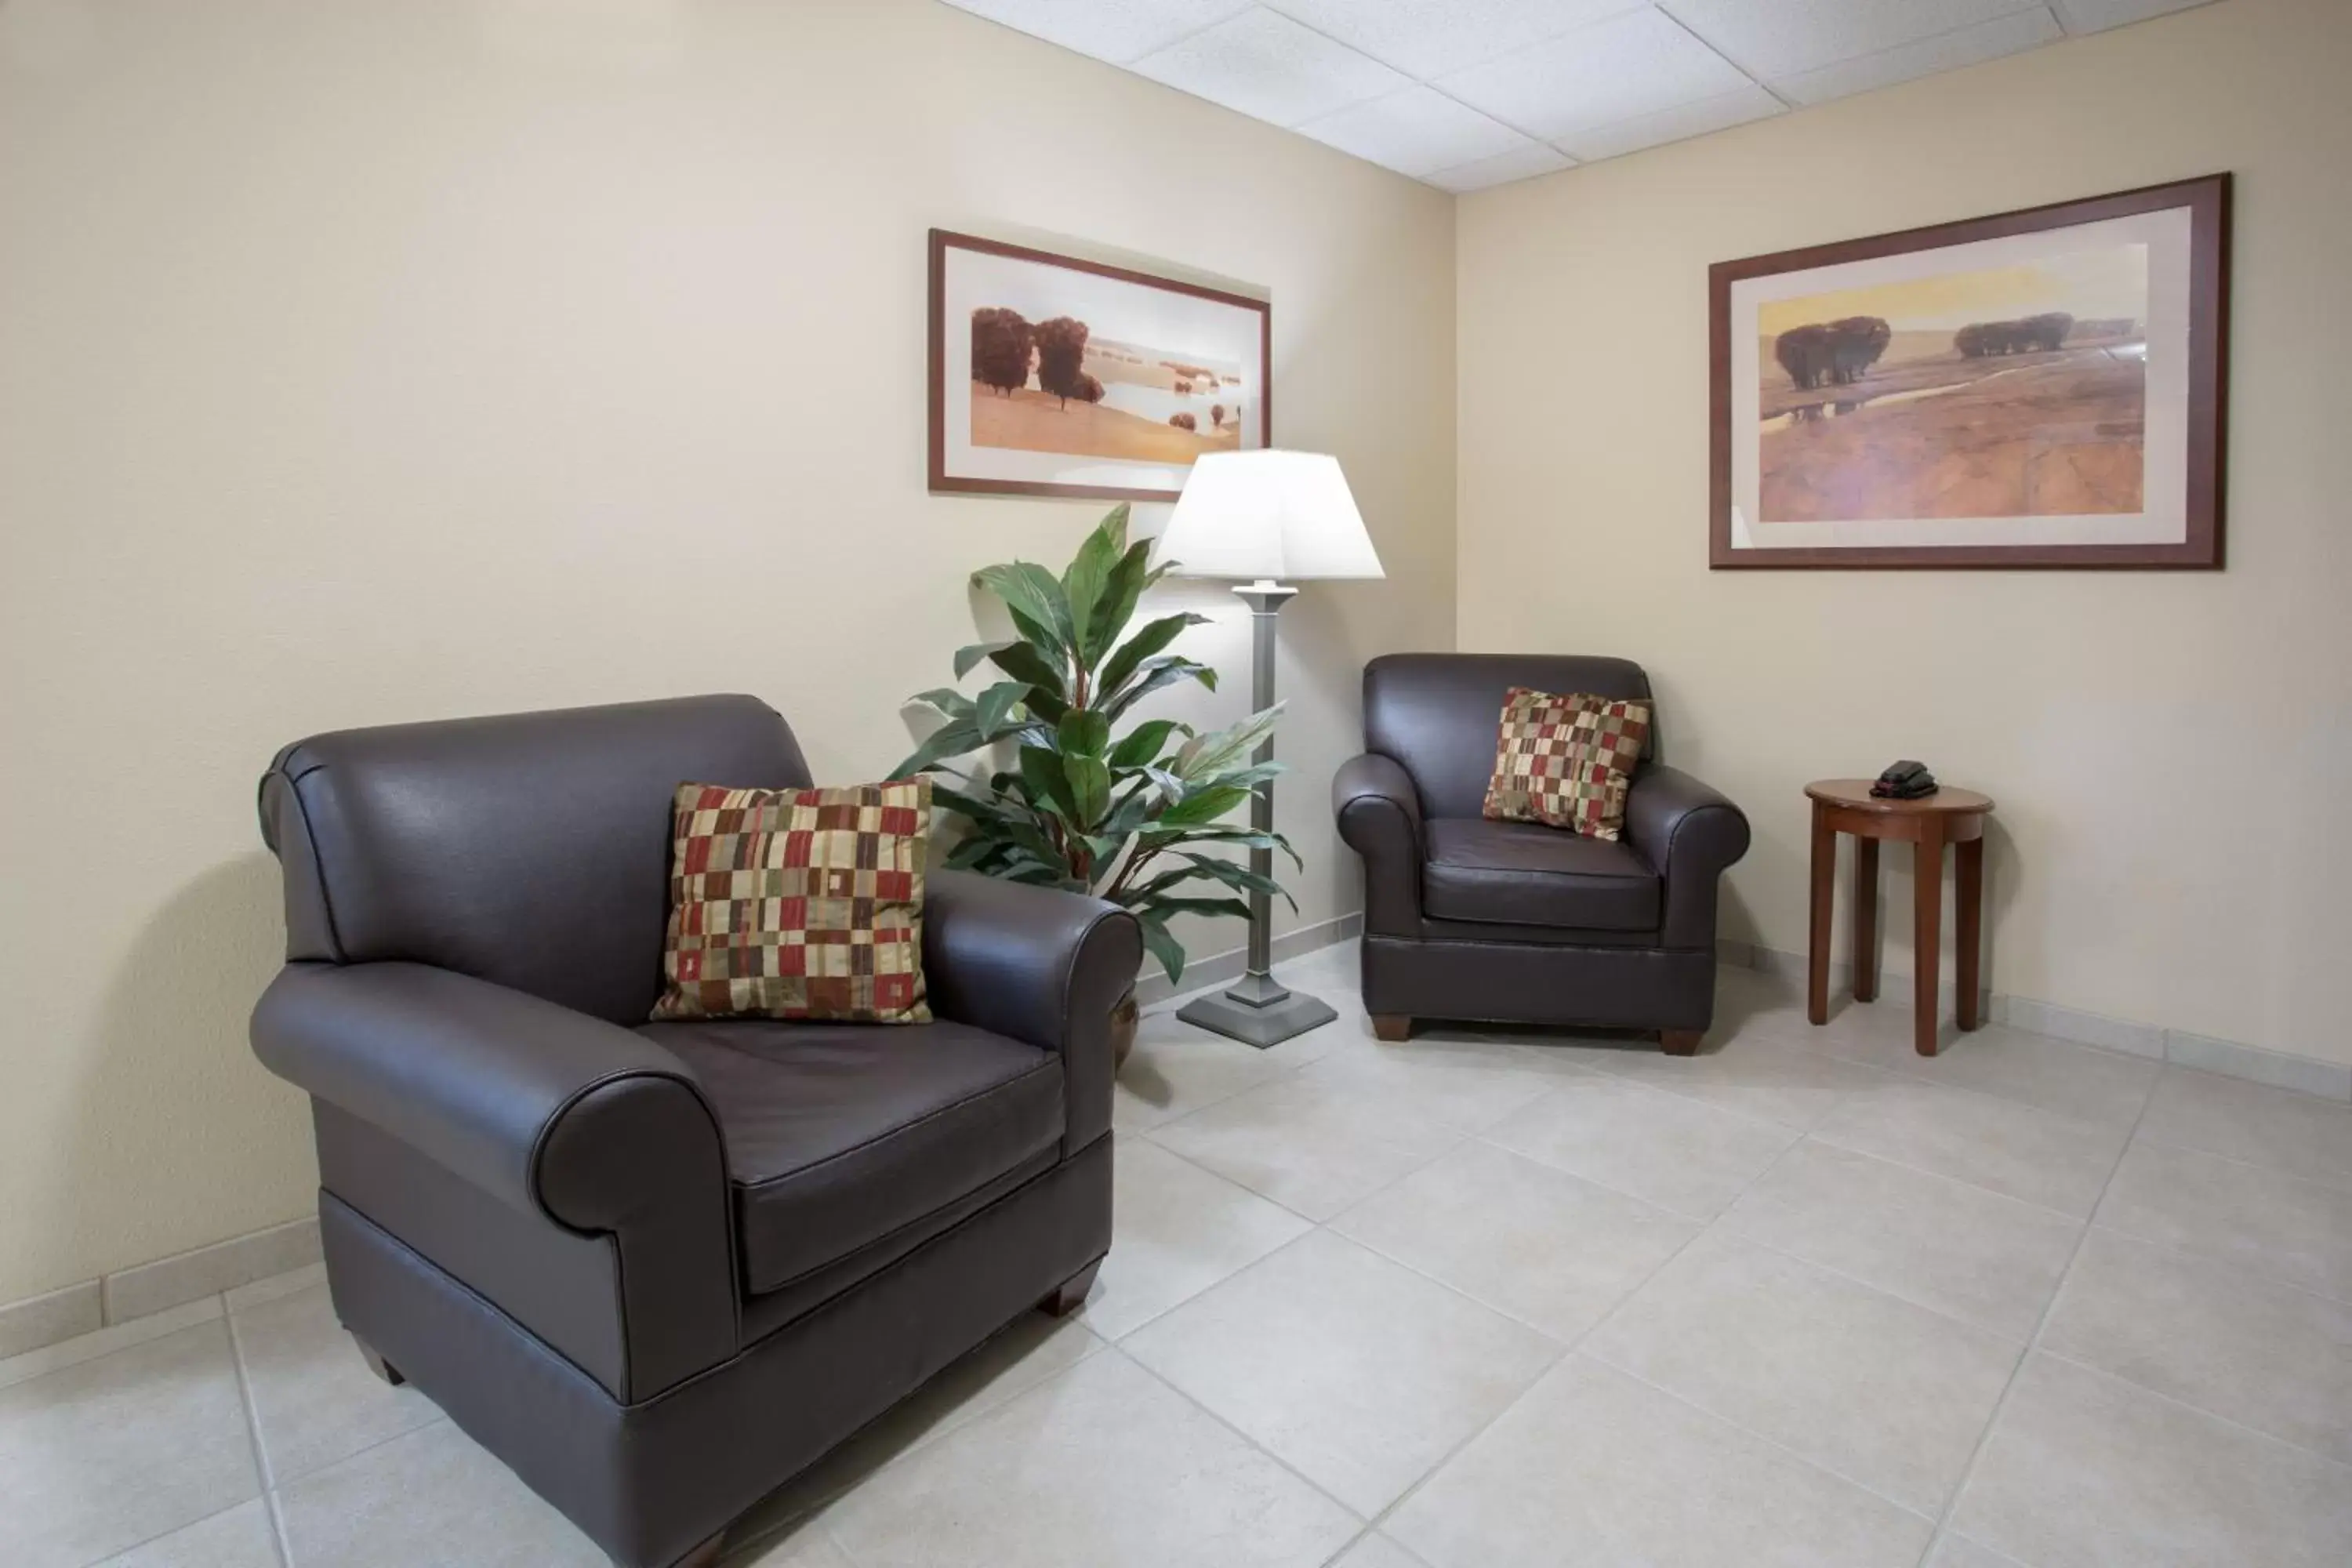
[{"x": 1465, "y": 94}]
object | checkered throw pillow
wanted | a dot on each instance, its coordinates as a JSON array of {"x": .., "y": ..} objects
[
  {"x": 1566, "y": 761},
  {"x": 798, "y": 903}
]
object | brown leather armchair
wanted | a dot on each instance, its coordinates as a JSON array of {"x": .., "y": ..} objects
[
  {"x": 658, "y": 1268},
  {"x": 1511, "y": 921}
]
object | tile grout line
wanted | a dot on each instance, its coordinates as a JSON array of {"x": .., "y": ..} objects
[
  {"x": 2339, "y": 1184},
  {"x": 253, "y": 1439},
  {"x": 1571, "y": 1349},
  {"x": 1946, "y": 1313},
  {"x": 2212, "y": 1260},
  {"x": 2194, "y": 1408},
  {"x": 1951, "y": 1508}
]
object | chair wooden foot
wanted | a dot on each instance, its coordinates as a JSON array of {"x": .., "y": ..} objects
[
  {"x": 1071, "y": 1294},
  {"x": 1680, "y": 1042},
  {"x": 705, "y": 1555},
  {"x": 377, "y": 1364},
  {"x": 1391, "y": 1026}
]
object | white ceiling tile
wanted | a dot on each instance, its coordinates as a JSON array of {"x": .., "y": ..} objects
[
  {"x": 1524, "y": 164},
  {"x": 1113, "y": 30},
  {"x": 1640, "y": 63},
  {"x": 1782, "y": 37},
  {"x": 1270, "y": 66},
  {"x": 1428, "y": 39},
  {"x": 1673, "y": 125},
  {"x": 1416, "y": 131},
  {"x": 1986, "y": 40},
  {"x": 2098, "y": 16}
]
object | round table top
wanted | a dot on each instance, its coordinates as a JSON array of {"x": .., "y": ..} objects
[{"x": 1854, "y": 796}]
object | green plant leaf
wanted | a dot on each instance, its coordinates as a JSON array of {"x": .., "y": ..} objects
[
  {"x": 1203, "y": 805},
  {"x": 1162, "y": 945},
  {"x": 975, "y": 854},
  {"x": 992, "y": 713},
  {"x": 1247, "y": 837},
  {"x": 968, "y": 656},
  {"x": 1153, "y": 637},
  {"x": 947, "y": 699},
  {"x": 1082, "y": 583},
  {"x": 1231, "y": 873},
  {"x": 1143, "y": 745},
  {"x": 1038, "y": 637},
  {"x": 950, "y": 740},
  {"x": 1041, "y": 769},
  {"x": 1166, "y": 670},
  {"x": 1089, "y": 782},
  {"x": 1025, "y": 663},
  {"x": 1033, "y": 591},
  {"x": 1167, "y": 906},
  {"x": 1122, "y": 590},
  {"x": 1203, "y": 755},
  {"x": 1083, "y": 733}
]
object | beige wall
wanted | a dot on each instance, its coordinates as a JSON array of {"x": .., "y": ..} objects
[
  {"x": 2170, "y": 752},
  {"x": 379, "y": 360}
]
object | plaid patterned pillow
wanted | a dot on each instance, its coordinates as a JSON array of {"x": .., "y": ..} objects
[
  {"x": 798, "y": 903},
  {"x": 1566, "y": 762}
]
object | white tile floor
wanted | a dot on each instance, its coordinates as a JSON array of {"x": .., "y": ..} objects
[{"x": 1481, "y": 1300}]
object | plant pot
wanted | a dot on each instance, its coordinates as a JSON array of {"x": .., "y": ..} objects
[{"x": 1124, "y": 1019}]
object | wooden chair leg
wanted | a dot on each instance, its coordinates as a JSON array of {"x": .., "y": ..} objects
[
  {"x": 1391, "y": 1026},
  {"x": 1680, "y": 1042},
  {"x": 377, "y": 1364},
  {"x": 1071, "y": 1293}
]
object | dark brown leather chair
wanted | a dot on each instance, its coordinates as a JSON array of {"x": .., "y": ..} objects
[
  {"x": 658, "y": 1268},
  {"x": 1511, "y": 921}
]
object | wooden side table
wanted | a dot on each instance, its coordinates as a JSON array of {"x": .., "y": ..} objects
[{"x": 1954, "y": 817}]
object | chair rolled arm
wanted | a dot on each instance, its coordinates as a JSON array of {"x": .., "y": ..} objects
[
  {"x": 1041, "y": 966},
  {"x": 1692, "y": 834},
  {"x": 1379, "y": 812},
  {"x": 527, "y": 1100}
]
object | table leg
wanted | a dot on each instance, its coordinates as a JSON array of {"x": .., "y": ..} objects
[
  {"x": 1817, "y": 964},
  {"x": 1968, "y": 898},
  {"x": 1865, "y": 920},
  {"x": 1927, "y": 934}
]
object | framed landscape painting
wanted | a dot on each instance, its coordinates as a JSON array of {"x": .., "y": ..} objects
[
  {"x": 1051, "y": 375},
  {"x": 2041, "y": 388}
]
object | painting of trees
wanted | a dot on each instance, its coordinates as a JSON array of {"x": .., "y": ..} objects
[
  {"x": 1002, "y": 342},
  {"x": 1061, "y": 358}
]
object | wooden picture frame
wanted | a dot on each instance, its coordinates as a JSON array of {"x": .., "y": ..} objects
[
  {"x": 2090, "y": 469},
  {"x": 1161, "y": 371}
]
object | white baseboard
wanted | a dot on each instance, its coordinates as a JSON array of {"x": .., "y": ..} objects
[
  {"x": 147, "y": 1289},
  {"x": 1219, "y": 967},
  {"x": 2258, "y": 1064}
]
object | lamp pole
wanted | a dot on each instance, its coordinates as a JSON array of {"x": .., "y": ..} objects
[{"x": 1257, "y": 1009}]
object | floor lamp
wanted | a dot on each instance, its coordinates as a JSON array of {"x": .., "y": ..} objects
[{"x": 1266, "y": 516}]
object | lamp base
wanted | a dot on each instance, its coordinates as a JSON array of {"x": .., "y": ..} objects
[{"x": 1258, "y": 1010}]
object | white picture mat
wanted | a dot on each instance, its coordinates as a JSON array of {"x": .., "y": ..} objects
[
  {"x": 1180, "y": 324},
  {"x": 2165, "y": 485}
]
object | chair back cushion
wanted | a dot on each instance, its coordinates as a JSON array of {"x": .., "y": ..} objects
[
  {"x": 529, "y": 849},
  {"x": 1437, "y": 713}
]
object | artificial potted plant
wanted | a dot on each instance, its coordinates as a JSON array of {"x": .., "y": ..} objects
[{"x": 1095, "y": 801}]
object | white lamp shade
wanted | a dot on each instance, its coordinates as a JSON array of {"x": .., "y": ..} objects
[{"x": 1269, "y": 515}]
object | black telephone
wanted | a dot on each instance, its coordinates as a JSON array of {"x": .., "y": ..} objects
[{"x": 1905, "y": 781}]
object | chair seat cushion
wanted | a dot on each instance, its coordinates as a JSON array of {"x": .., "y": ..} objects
[
  {"x": 838, "y": 1134},
  {"x": 1517, "y": 873}
]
